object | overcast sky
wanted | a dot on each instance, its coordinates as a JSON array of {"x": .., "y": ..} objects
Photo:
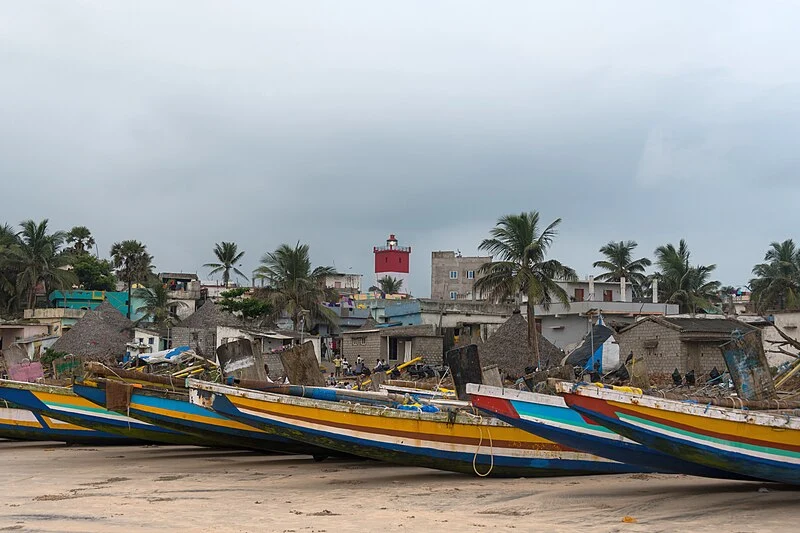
[{"x": 182, "y": 124}]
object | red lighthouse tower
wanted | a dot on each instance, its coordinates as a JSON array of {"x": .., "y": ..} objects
[{"x": 392, "y": 260}]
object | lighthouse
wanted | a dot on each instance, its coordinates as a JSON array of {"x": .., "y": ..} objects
[{"x": 392, "y": 260}]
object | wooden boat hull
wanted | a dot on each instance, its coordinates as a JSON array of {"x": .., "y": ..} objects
[
  {"x": 446, "y": 441},
  {"x": 551, "y": 418},
  {"x": 749, "y": 443},
  {"x": 65, "y": 405},
  {"x": 173, "y": 410},
  {"x": 23, "y": 424}
]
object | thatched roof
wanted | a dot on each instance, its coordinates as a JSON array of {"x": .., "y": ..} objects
[
  {"x": 101, "y": 335},
  {"x": 209, "y": 316},
  {"x": 369, "y": 323},
  {"x": 508, "y": 349}
]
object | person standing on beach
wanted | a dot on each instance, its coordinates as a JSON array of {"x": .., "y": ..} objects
[{"x": 337, "y": 366}]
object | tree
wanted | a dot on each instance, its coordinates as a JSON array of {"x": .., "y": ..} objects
[
  {"x": 725, "y": 295},
  {"x": 38, "y": 260},
  {"x": 683, "y": 284},
  {"x": 388, "y": 285},
  {"x": 8, "y": 268},
  {"x": 619, "y": 263},
  {"x": 132, "y": 262},
  {"x": 523, "y": 267},
  {"x": 81, "y": 239},
  {"x": 157, "y": 306},
  {"x": 777, "y": 281},
  {"x": 293, "y": 286},
  {"x": 228, "y": 255},
  {"x": 249, "y": 308},
  {"x": 94, "y": 274}
]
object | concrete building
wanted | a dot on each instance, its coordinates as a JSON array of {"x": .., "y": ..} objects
[
  {"x": 59, "y": 321},
  {"x": 183, "y": 287},
  {"x": 789, "y": 323},
  {"x": 453, "y": 276},
  {"x": 666, "y": 343},
  {"x": 89, "y": 300},
  {"x": 344, "y": 283},
  {"x": 15, "y": 332},
  {"x": 393, "y": 344}
]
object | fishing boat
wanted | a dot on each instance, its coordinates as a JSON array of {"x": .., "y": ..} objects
[
  {"x": 23, "y": 424},
  {"x": 746, "y": 442},
  {"x": 550, "y": 417},
  {"x": 63, "y": 404},
  {"x": 450, "y": 439},
  {"x": 171, "y": 409}
]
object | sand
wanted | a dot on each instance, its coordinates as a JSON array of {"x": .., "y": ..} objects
[{"x": 54, "y": 487}]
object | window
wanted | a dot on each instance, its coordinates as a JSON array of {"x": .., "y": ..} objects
[
  {"x": 363, "y": 341},
  {"x": 608, "y": 296},
  {"x": 470, "y": 274},
  {"x": 337, "y": 284},
  {"x": 453, "y": 295},
  {"x": 354, "y": 341},
  {"x": 578, "y": 295},
  {"x": 151, "y": 340},
  {"x": 453, "y": 274},
  {"x": 140, "y": 340}
]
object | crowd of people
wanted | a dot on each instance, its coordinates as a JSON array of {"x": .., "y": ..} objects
[{"x": 342, "y": 367}]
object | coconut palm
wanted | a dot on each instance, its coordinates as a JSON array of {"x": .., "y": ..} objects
[
  {"x": 388, "y": 285},
  {"x": 157, "y": 306},
  {"x": 683, "y": 284},
  {"x": 228, "y": 255},
  {"x": 293, "y": 286},
  {"x": 725, "y": 295},
  {"x": 38, "y": 261},
  {"x": 619, "y": 263},
  {"x": 777, "y": 281},
  {"x": 81, "y": 239},
  {"x": 132, "y": 262},
  {"x": 8, "y": 270},
  {"x": 523, "y": 268}
]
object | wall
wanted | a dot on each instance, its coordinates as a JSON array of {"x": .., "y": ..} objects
[
  {"x": 9, "y": 335},
  {"x": 659, "y": 361},
  {"x": 789, "y": 324},
  {"x": 442, "y": 263},
  {"x": 148, "y": 338},
  {"x": 565, "y": 331},
  {"x": 429, "y": 348},
  {"x": 371, "y": 349},
  {"x": 203, "y": 341}
]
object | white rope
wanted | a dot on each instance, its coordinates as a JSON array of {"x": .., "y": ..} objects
[{"x": 478, "y": 449}]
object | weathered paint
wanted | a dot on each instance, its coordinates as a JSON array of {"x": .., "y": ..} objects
[
  {"x": 749, "y": 443},
  {"x": 551, "y": 418},
  {"x": 172, "y": 410},
  {"x": 65, "y": 405},
  {"x": 444, "y": 440},
  {"x": 22, "y": 424}
]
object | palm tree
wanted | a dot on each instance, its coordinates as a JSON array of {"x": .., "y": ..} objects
[
  {"x": 38, "y": 260},
  {"x": 132, "y": 262},
  {"x": 679, "y": 282},
  {"x": 157, "y": 305},
  {"x": 619, "y": 263},
  {"x": 8, "y": 269},
  {"x": 523, "y": 269},
  {"x": 294, "y": 286},
  {"x": 388, "y": 285},
  {"x": 228, "y": 255},
  {"x": 777, "y": 281},
  {"x": 725, "y": 295},
  {"x": 81, "y": 237}
]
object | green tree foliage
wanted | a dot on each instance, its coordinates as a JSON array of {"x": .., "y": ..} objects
[
  {"x": 228, "y": 255},
  {"x": 681, "y": 283},
  {"x": 81, "y": 239},
  {"x": 94, "y": 274},
  {"x": 776, "y": 284},
  {"x": 248, "y": 308},
  {"x": 157, "y": 305},
  {"x": 294, "y": 287},
  {"x": 37, "y": 259},
  {"x": 388, "y": 285},
  {"x": 8, "y": 271},
  {"x": 133, "y": 263},
  {"x": 523, "y": 268},
  {"x": 619, "y": 263}
]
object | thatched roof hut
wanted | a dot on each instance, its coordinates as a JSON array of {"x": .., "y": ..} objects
[
  {"x": 101, "y": 335},
  {"x": 209, "y": 316},
  {"x": 508, "y": 349}
]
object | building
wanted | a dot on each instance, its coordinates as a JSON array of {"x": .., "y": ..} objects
[
  {"x": 101, "y": 335},
  {"x": 453, "y": 276},
  {"x": 212, "y": 290},
  {"x": 392, "y": 260},
  {"x": 199, "y": 330},
  {"x": 58, "y": 321},
  {"x": 789, "y": 323},
  {"x": 393, "y": 344},
  {"x": 89, "y": 300},
  {"x": 15, "y": 332},
  {"x": 182, "y": 287},
  {"x": 344, "y": 283},
  {"x": 271, "y": 343},
  {"x": 662, "y": 344}
]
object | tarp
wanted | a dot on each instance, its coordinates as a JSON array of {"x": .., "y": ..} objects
[
  {"x": 598, "y": 351},
  {"x": 174, "y": 356}
]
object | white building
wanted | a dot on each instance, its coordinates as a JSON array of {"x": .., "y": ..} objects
[{"x": 344, "y": 283}]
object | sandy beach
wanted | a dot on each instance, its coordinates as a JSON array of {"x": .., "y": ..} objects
[{"x": 54, "y": 487}]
